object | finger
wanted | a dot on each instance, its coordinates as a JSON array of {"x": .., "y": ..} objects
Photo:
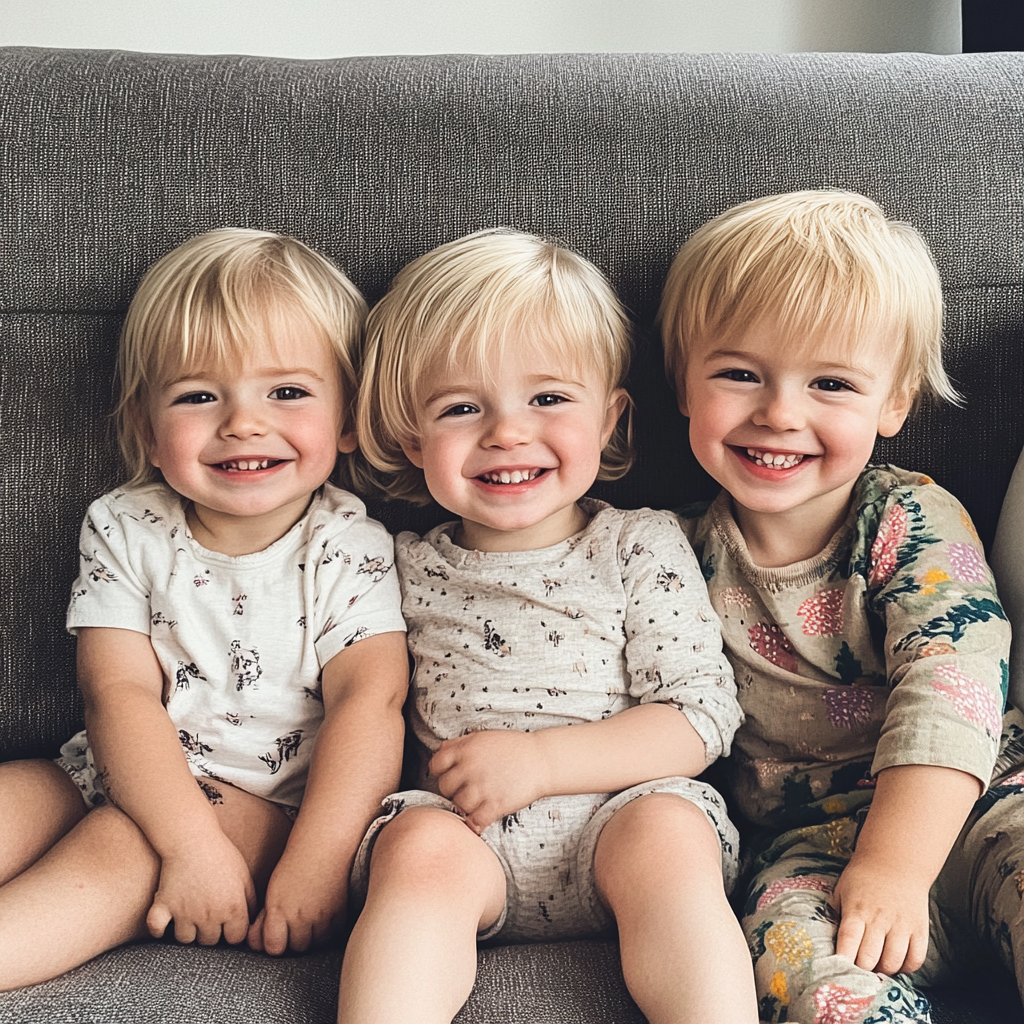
[
  {"x": 157, "y": 920},
  {"x": 184, "y": 931},
  {"x": 236, "y": 927},
  {"x": 443, "y": 759},
  {"x": 300, "y": 937},
  {"x": 255, "y": 937},
  {"x": 894, "y": 953},
  {"x": 275, "y": 934},
  {"x": 324, "y": 928},
  {"x": 250, "y": 897},
  {"x": 208, "y": 933},
  {"x": 871, "y": 946},
  {"x": 848, "y": 938},
  {"x": 917, "y": 950}
]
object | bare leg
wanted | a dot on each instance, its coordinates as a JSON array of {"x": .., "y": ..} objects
[
  {"x": 93, "y": 889},
  {"x": 38, "y": 805},
  {"x": 433, "y": 885},
  {"x": 658, "y": 868}
]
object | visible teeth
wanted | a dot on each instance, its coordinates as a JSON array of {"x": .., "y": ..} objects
[
  {"x": 246, "y": 464},
  {"x": 774, "y": 460},
  {"x": 515, "y": 476}
]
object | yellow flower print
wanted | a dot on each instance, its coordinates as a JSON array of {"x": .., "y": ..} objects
[
  {"x": 789, "y": 942},
  {"x": 833, "y": 805},
  {"x": 1019, "y": 879},
  {"x": 969, "y": 526},
  {"x": 839, "y": 838},
  {"x": 779, "y": 988},
  {"x": 931, "y": 578}
]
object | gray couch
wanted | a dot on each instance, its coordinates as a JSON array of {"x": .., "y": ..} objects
[{"x": 109, "y": 159}]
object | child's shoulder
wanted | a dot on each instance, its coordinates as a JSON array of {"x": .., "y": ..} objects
[
  {"x": 882, "y": 488},
  {"x": 337, "y": 511},
  {"x": 148, "y": 504}
]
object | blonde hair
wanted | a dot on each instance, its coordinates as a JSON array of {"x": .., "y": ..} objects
[
  {"x": 206, "y": 301},
  {"x": 815, "y": 262},
  {"x": 465, "y": 303}
]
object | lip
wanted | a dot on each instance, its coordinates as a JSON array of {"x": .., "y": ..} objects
[
  {"x": 521, "y": 487},
  {"x": 767, "y": 472},
  {"x": 274, "y": 464}
]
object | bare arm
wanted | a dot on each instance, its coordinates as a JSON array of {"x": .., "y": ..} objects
[
  {"x": 882, "y": 895},
  {"x": 205, "y": 886},
  {"x": 356, "y": 762},
  {"x": 489, "y": 774}
]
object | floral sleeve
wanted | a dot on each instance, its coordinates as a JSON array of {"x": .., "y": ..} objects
[{"x": 946, "y": 635}]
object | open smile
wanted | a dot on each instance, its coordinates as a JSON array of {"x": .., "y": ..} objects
[
  {"x": 510, "y": 476},
  {"x": 248, "y": 465},
  {"x": 772, "y": 460}
]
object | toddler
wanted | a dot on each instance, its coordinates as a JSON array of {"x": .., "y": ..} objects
[
  {"x": 240, "y": 638},
  {"x": 569, "y": 676},
  {"x": 861, "y": 620}
]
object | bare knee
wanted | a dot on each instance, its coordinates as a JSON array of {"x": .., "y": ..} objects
[
  {"x": 39, "y": 804},
  {"x": 430, "y": 854},
  {"x": 649, "y": 837}
]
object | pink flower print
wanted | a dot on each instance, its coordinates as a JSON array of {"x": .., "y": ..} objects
[
  {"x": 849, "y": 706},
  {"x": 972, "y": 699},
  {"x": 1016, "y": 779},
  {"x": 968, "y": 566},
  {"x": 891, "y": 532},
  {"x": 783, "y": 885},
  {"x": 838, "y": 1005},
  {"x": 735, "y": 596},
  {"x": 772, "y": 644},
  {"x": 823, "y": 613}
]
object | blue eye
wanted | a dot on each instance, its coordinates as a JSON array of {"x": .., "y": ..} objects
[
  {"x": 831, "y": 384},
  {"x": 545, "y": 401},
  {"x": 195, "y": 398},
  {"x": 289, "y": 393},
  {"x": 740, "y": 376}
]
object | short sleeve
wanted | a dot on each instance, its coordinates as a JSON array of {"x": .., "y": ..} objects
[
  {"x": 108, "y": 591},
  {"x": 1008, "y": 566},
  {"x": 673, "y": 636},
  {"x": 357, "y": 591}
]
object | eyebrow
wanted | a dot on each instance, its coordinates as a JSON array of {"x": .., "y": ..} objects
[
  {"x": 534, "y": 380},
  {"x": 268, "y": 372},
  {"x": 824, "y": 368}
]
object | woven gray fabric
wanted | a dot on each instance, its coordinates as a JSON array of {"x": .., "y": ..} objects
[{"x": 109, "y": 159}]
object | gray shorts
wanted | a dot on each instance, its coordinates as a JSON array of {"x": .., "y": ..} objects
[{"x": 547, "y": 853}]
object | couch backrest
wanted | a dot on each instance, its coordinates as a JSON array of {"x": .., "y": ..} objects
[{"x": 109, "y": 159}]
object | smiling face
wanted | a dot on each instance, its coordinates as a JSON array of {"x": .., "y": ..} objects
[
  {"x": 248, "y": 445},
  {"x": 787, "y": 430},
  {"x": 512, "y": 451}
]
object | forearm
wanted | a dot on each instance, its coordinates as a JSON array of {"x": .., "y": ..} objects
[
  {"x": 356, "y": 762},
  {"x": 137, "y": 751},
  {"x": 915, "y": 816},
  {"x": 649, "y": 741}
]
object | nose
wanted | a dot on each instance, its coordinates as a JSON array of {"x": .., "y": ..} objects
[
  {"x": 243, "y": 419},
  {"x": 506, "y": 429},
  {"x": 780, "y": 409}
]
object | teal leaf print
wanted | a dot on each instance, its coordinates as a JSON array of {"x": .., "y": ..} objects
[
  {"x": 953, "y": 624},
  {"x": 848, "y": 668}
]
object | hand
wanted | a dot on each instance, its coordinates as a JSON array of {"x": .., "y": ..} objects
[
  {"x": 305, "y": 905},
  {"x": 883, "y": 917},
  {"x": 489, "y": 774},
  {"x": 206, "y": 894}
]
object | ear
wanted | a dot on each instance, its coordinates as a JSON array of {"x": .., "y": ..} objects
[
  {"x": 617, "y": 402},
  {"x": 895, "y": 411},
  {"x": 413, "y": 452},
  {"x": 348, "y": 442}
]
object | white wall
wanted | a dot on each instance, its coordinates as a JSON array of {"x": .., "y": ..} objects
[{"x": 339, "y": 28}]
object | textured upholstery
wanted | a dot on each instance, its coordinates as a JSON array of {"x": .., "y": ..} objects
[{"x": 109, "y": 159}]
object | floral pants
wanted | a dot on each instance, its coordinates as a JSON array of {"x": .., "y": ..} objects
[{"x": 975, "y": 914}]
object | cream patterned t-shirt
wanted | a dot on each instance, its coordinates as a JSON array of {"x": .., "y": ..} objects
[{"x": 241, "y": 639}]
